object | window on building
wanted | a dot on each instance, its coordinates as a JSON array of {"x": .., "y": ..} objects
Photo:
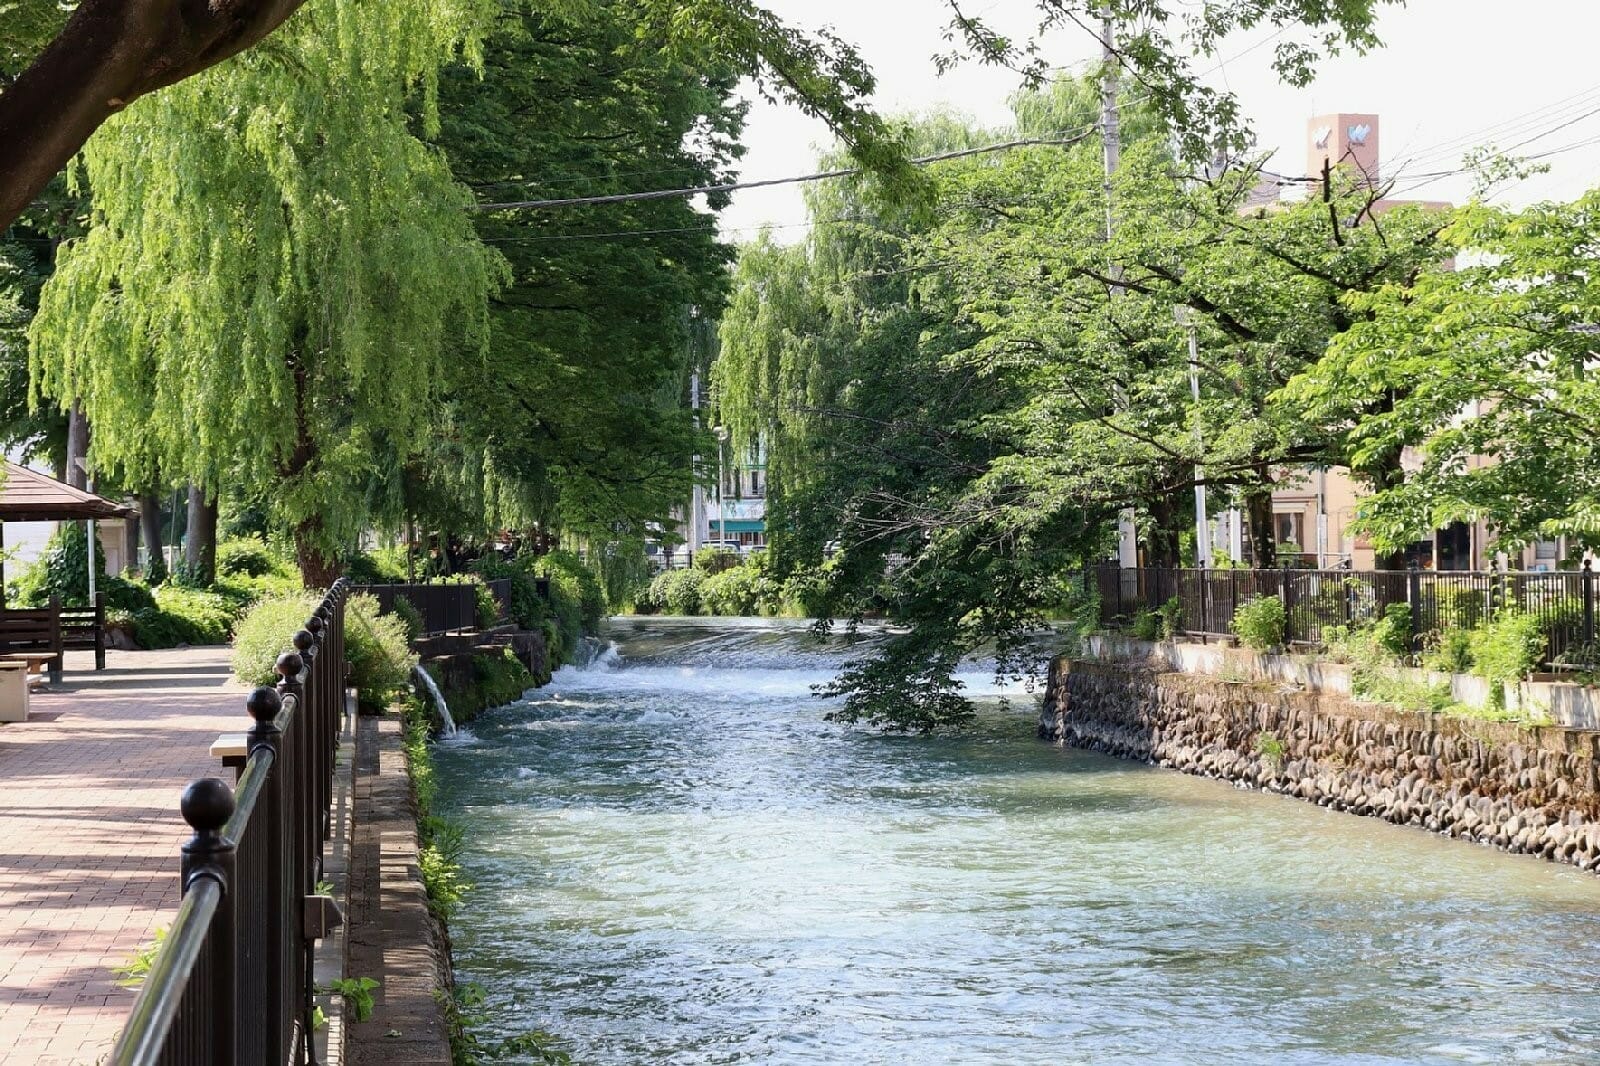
[{"x": 1290, "y": 527}]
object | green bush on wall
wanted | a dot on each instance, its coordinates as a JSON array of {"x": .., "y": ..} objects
[{"x": 1259, "y": 623}]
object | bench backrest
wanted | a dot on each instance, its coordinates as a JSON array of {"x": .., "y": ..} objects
[
  {"x": 31, "y": 628},
  {"x": 84, "y": 627}
]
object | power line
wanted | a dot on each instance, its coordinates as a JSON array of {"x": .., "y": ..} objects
[{"x": 734, "y": 186}]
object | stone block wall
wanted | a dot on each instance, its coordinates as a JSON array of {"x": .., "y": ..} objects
[{"x": 1527, "y": 789}]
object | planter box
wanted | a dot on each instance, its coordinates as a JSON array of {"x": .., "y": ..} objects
[{"x": 13, "y": 692}]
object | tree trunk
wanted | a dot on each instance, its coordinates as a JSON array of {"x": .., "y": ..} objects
[
  {"x": 110, "y": 53},
  {"x": 318, "y": 570},
  {"x": 200, "y": 547},
  {"x": 77, "y": 447},
  {"x": 1162, "y": 546},
  {"x": 130, "y": 543},
  {"x": 1263, "y": 537},
  {"x": 150, "y": 526}
]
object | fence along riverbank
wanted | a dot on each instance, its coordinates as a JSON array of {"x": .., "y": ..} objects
[
  {"x": 1314, "y": 601},
  {"x": 231, "y": 985}
]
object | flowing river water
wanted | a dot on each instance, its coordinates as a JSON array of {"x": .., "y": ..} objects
[{"x": 677, "y": 860}]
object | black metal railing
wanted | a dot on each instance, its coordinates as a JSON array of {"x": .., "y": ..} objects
[
  {"x": 231, "y": 985},
  {"x": 1316, "y": 600}
]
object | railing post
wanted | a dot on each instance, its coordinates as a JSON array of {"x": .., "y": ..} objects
[
  {"x": 1414, "y": 598},
  {"x": 1588, "y": 610},
  {"x": 1288, "y": 606},
  {"x": 207, "y": 804}
]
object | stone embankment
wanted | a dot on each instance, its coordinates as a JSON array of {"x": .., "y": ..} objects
[{"x": 1526, "y": 789}]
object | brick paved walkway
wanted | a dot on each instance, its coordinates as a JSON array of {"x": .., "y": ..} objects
[{"x": 89, "y": 836}]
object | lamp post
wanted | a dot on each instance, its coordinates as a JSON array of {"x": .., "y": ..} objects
[
  {"x": 722, "y": 517},
  {"x": 1202, "y": 537}
]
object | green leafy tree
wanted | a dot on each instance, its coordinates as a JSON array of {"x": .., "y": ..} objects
[
  {"x": 259, "y": 296},
  {"x": 579, "y": 405},
  {"x": 1485, "y": 365}
]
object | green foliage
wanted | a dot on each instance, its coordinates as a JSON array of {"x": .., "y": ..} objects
[
  {"x": 131, "y": 974},
  {"x": 1392, "y": 632},
  {"x": 249, "y": 557},
  {"x": 1506, "y": 650},
  {"x": 62, "y": 570},
  {"x": 375, "y": 568},
  {"x": 733, "y": 591},
  {"x": 357, "y": 993},
  {"x": 182, "y": 615},
  {"x": 964, "y": 400},
  {"x": 1270, "y": 748},
  {"x": 577, "y": 581},
  {"x": 1449, "y": 652},
  {"x": 1171, "y": 614},
  {"x": 1146, "y": 625},
  {"x": 464, "y": 1011},
  {"x": 714, "y": 560},
  {"x": 909, "y": 688},
  {"x": 410, "y": 618},
  {"x": 1385, "y": 684},
  {"x": 379, "y": 652},
  {"x": 266, "y": 631},
  {"x": 1259, "y": 623},
  {"x": 678, "y": 591},
  {"x": 440, "y": 840},
  {"x": 307, "y": 242}
]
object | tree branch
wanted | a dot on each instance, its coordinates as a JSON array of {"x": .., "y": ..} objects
[{"x": 110, "y": 53}]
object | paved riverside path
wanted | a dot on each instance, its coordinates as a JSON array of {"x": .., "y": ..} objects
[{"x": 89, "y": 837}]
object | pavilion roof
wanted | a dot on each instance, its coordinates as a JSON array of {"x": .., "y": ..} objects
[{"x": 29, "y": 496}]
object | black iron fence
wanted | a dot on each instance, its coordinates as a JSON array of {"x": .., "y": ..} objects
[
  {"x": 231, "y": 985},
  {"x": 1316, "y": 600},
  {"x": 449, "y": 607}
]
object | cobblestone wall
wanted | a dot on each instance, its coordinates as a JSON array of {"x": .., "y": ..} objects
[{"x": 1532, "y": 790}]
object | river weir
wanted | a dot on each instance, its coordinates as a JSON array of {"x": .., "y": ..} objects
[{"x": 677, "y": 860}]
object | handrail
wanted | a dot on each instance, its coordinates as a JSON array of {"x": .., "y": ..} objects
[
  {"x": 256, "y": 854},
  {"x": 156, "y": 1009}
]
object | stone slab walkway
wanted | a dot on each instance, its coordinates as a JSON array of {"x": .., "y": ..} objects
[{"x": 89, "y": 837}]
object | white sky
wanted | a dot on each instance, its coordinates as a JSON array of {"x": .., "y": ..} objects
[{"x": 1450, "y": 70}]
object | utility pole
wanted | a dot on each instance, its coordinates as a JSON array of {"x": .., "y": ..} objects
[
  {"x": 1111, "y": 141},
  {"x": 1202, "y": 531},
  {"x": 697, "y": 497}
]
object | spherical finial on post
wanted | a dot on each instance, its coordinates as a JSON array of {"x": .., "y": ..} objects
[
  {"x": 264, "y": 704},
  {"x": 207, "y": 804},
  {"x": 289, "y": 666},
  {"x": 315, "y": 624},
  {"x": 304, "y": 641}
]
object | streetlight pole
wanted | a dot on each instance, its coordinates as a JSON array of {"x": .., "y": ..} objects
[
  {"x": 1202, "y": 537},
  {"x": 722, "y": 516}
]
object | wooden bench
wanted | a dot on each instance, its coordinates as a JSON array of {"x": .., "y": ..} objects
[
  {"x": 84, "y": 629},
  {"x": 39, "y": 635},
  {"x": 33, "y": 634}
]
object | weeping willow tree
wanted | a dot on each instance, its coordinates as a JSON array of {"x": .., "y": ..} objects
[{"x": 276, "y": 266}]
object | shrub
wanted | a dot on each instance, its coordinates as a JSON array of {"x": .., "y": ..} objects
[
  {"x": 183, "y": 615},
  {"x": 591, "y": 595},
  {"x": 409, "y": 617},
  {"x": 732, "y": 592},
  {"x": 1146, "y": 625},
  {"x": 680, "y": 592},
  {"x": 1259, "y": 623},
  {"x": 378, "y": 650},
  {"x": 265, "y": 632},
  {"x": 63, "y": 570},
  {"x": 714, "y": 560},
  {"x": 380, "y": 567},
  {"x": 248, "y": 557},
  {"x": 1171, "y": 617},
  {"x": 1506, "y": 650},
  {"x": 1449, "y": 652},
  {"x": 1392, "y": 632}
]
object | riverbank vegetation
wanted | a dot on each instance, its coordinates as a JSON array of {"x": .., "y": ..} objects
[{"x": 966, "y": 398}]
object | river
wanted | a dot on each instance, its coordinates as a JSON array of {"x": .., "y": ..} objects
[{"x": 677, "y": 860}]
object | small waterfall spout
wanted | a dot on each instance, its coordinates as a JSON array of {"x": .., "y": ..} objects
[{"x": 424, "y": 681}]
